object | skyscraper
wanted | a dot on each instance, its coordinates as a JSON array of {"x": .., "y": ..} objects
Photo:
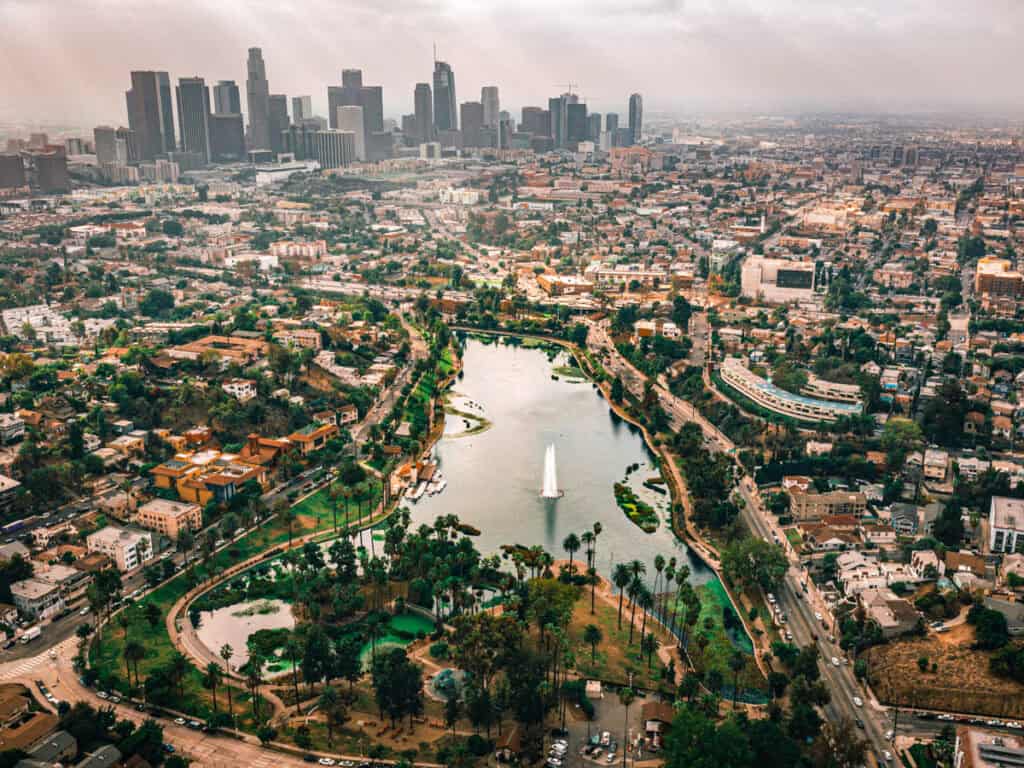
[
  {"x": 371, "y": 99},
  {"x": 445, "y": 117},
  {"x": 257, "y": 93},
  {"x": 636, "y": 117},
  {"x": 108, "y": 150},
  {"x": 194, "y": 116},
  {"x": 226, "y": 100},
  {"x": 492, "y": 108},
  {"x": 424, "y": 113},
  {"x": 350, "y": 118},
  {"x": 576, "y": 123},
  {"x": 277, "y": 120},
  {"x": 302, "y": 108},
  {"x": 556, "y": 108},
  {"x": 611, "y": 122},
  {"x": 351, "y": 78},
  {"x": 150, "y": 113},
  {"x": 471, "y": 114},
  {"x": 335, "y": 148},
  {"x": 594, "y": 126},
  {"x": 12, "y": 171},
  {"x": 227, "y": 137}
]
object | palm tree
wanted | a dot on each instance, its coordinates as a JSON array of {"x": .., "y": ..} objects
[
  {"x": 226, "y": 652},
  {"x": 626, "y": 697},
  {"x": 286, "y": 515},
  {"x": 646, "y": 599},
  {"x": 587, "y": 540},
  {"x": 621, "y": 578},
  {"x": 328, "y": 703},
  {"x": 593, "y": 578},
  {"x": 294, "y": 651},
  {"x": 592, "y": 634},
  {"x": 597, "y": 532},
  {"x": 571, "y": 545},
  {"x": 334, "y": 493},
  {"x": 659, "y": 566},
  {"x": 375, "y": 629},
  {"x": 254, "y": 679},
  {"x": 179, "y": 668},
  {"x": 213, "y": 678},
  {"x": 736, "y": 663},
  {"x": 134, "y": 652},
  {"x": 649, "y": 645},
  {"x": 633, "y": 590}
]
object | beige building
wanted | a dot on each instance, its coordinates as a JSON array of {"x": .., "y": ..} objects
[
  {"x": 814, "y": 506},
  {"x": 170, "y": 517}
]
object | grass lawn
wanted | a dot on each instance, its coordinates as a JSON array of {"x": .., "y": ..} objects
[
  {"x": 714, "y": 603},
  {"x": 615, "y": 657},
  {"x": 920, "y": 756},
  {"x": 106, "y": 653},
  {"x": 320, "y": 509},
  {"x": 447, "y": 362}
]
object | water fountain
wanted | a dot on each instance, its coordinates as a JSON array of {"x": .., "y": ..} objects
[{"x": 550, "y": 490}]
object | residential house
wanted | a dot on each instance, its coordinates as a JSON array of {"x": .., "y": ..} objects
[{"x": 893, "y": 615}]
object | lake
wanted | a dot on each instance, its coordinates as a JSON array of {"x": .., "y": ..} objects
[{"x": 495, "y": 475}]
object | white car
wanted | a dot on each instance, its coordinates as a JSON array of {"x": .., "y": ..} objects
[
  {"x": 102, "y": 694},
  {"x": 858, "y": 701},
  {"x": 887, "y": 756},
  {"x": 889, "y": 734},
  {"x": 325, "y": 761},
  {"x": 835, "y": 661},
  {"x": 179, "y": 721},
  {"x": 817, "y": 616}
]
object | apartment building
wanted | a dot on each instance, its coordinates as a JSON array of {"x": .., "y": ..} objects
[
  {"x": 128, "y": 548},
  {"x": 170, "y": 518},
  {"x": 777, "y": 281},
  {"x": 12, "y": 427},
  {"x": 37, "y": 598},
  {"x": 1006, "y": 525},
  {"x": 997, "y": 277},
  {"x": 243, "y": 390},
  {"x": 807, "y": 506},
  {"x": 767, "y": 395},
  {"x": 830, "y": 390}
]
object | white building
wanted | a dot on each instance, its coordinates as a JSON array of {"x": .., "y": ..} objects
[
  {"x": 1006, "y": 525},
  {"x": 778, "y": 400},
  {"x": 127, "y": 548},
  {"x": 37, "y": 598},
  {"x": 777, "y": 281},
  {"x": 242, "y": 390},
  {"x": 12, "y": 427},
  {"x": 350, "y": 118}
]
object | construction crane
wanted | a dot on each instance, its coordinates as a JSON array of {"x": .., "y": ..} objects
[{"x": 568, "y": 86}]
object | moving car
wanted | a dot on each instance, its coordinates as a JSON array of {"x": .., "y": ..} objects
[{"x": 858, "y": 701}]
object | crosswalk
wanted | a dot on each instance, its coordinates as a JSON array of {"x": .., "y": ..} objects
[{"x": 12, "y": 670}]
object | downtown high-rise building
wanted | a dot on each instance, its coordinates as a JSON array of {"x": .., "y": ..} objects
[
  {"x": 445, "y": 117},
  {"x": 535, "y": 120},
  {"x": 227, "y": 137},
  {"x": 302, "y": 108},
  {"x": 335, "y": 149},
  {"x": 351, "y": 78},
  {"x": 471, "y": 114},
  {"x": 277, "y": 121},
  {"x": 424, "y": 111},
  {"x": 350, "y": 118},
  {"x": 112, "y": 145},
  {"x": 594, "y": 126},
  {"x": 636, "y": 117},
  {"x": 226, "y": 99},
  {"x": 257, "y": 93},
  {"x": 150, "y": 113},
  {"x": 492, "y": 106},
  {"x": 194, "y": 116},
  {"x": 611, "y": 122},
  {"x": 352, "y": 93},
  {"x": 575, "y": 123}
]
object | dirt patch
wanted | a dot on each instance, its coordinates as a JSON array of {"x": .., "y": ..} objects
[{"x": 961, "y": 683}]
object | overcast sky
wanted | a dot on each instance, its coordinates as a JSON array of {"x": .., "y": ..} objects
[{"x": 68, "y": 60}]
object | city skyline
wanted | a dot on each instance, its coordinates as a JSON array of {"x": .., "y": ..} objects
[{"x": 778, "y": 58}]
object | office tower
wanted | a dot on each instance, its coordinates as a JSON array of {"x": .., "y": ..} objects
[
  {"x": 227, "y": 138},
  {"x": 594, "y": 126},
  {"x": 226, "y": 100},
  {"x": 16, "y": 145},
  {"x": 335, "y": 149},
  {"x": 12, "y": 171},
  {"x": 38, "y": 140},
  {"x": 471, "y": 116},
  {"x": 104, "y": 137},
  {"x": 535, "y": 120},
  {"x": 489, "y": 98},
  {"x": 150, "y": 113},
  {"x": 371, "y": 99},
  {"x": 76, "y": 146},
  {"x": 194, "y": 116},
  {"x": 558, "y": 107},
  {"x": 445, "y": 118},
  {"x": 611, "y": 122},
  {"x": 352, "y": 78},
  {"x": 409, "y": 128},
  {"x": 380, "y": 145},
  {"x": 576, "y": 123},
  {"x": 51, "y": 166},
  {"x": 636, "y": 117},
  {"x": 302, "y": 108},
  {"x": 350, "y": 118},
  {"x": 301, "y": 140},
  {"x": 424, "y": 112},
  {"x": 257, "y": 94},
  {"x": 277, "y": 120},
  {"x": 131, "y": 143},
  {"x": 506, "y": 127}
]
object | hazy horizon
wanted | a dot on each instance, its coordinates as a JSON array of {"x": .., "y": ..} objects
[{"x": 70, "y": 61}]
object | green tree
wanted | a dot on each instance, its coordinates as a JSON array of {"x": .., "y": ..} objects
[{"x": 592, "y": 636}]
